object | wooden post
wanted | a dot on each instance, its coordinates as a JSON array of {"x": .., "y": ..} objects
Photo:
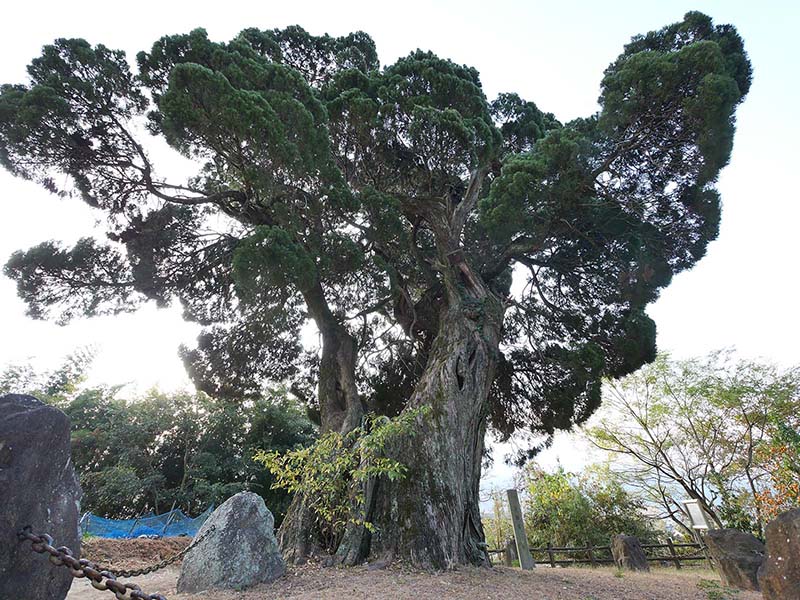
[
  {"x": 550, "y": 554},
  {"x": 135, "y": 523},
  {"x": 84, "y": 523},
  {"x": 590, "y": 548},
  {"x": 525, "y": 558},
  {"x": 702, "y": 543},
  {"x": 169, "y": 518},
  {"x": 673, "y": 553},
  {"x": 704, "y": 548}
]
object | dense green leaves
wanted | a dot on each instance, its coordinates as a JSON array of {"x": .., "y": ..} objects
[
  {"x": 193, "y": 451},
  {"x": 603, "y": 212},
  {"x": 68, "y": 120},
  {"x": 521, "y": 123},
  {"x": 234, "y": 360},
  {"x": 271, "y": 252},
  {"x": 87, "y": 279},
  {"x": 316, "y": 58}
]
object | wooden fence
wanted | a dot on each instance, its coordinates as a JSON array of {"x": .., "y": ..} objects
[{"x": 671, "y": 552}]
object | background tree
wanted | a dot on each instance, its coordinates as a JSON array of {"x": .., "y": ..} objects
[
  {"x": 389, "y": 206},
  {"x": 57, "y": 386},
  {"x": 781, "y": 455},
  {"x": 568, "y": 509},
  {"x": 703, "y": 430},
  {"x": 146, "y": 453}
]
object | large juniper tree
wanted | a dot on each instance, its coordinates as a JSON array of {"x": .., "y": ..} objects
[{"x": 389, "y": 205}]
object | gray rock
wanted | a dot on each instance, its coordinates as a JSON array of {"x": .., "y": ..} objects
[
  {"x": 779, "y": 574},
  {"x": 737, "y": 556},
  {"x": 628, "y": 553},
  {"x": 38, "y": 487},
  {"x": 242, "y": 550}
]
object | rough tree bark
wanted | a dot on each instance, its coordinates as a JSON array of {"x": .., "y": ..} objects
[
  {"x": 432, "y": 516},
  {"x": 341, "y": 408}
]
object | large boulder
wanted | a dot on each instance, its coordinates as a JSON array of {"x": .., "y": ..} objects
[
  {"x": 240, "y": 552},
  {"x": 779, "y": 574},
  {"x": 628, "y": 553},
  {"x": 38, "y": 487},
  {"x": 737, "y": 555}
]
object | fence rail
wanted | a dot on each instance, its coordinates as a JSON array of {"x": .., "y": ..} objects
[{"x": 549, "y": 554}]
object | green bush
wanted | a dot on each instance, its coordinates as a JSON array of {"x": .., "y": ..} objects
[
  {"x": 331, "y": 472},
  {"x": 134, "y": 455},
  {"x": 567, "y": 509}
]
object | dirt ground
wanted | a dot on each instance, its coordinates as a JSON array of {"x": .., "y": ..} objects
[
  {"x": 131, "y": 554},
  {"x": 313, "y": 582}
]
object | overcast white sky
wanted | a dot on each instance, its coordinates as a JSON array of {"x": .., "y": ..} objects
[{"x": 742, "y": 294}]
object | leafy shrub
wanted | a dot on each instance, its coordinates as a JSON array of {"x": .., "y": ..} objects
[
  {"x": 134, "y": 455},
  {"x": 567, "y": 509},
  {"x": 331, "y": 472}
]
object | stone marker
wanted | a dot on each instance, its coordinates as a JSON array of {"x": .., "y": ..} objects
[
  {"x": 523, "y": 551},
  {"x": 737, "y": 555},
  {"x": 242, "y": 551},
  {"x": 628, "y": 553},
  {"x": 38, "y": 487},
  {"x": 510, "y": 555},
  {"x": 779, "y": 574}
]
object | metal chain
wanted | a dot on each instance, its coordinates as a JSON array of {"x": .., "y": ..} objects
[
  {"x": 100, "y": 578},
  {"x": 164, "y": 563}
]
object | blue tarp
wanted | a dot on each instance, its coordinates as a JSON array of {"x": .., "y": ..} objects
[{"x": 173, "y": 523}]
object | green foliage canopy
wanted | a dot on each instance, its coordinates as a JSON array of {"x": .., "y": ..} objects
[{"x": 333, "y": 188}]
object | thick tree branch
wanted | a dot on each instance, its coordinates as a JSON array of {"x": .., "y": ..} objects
[{"x": 469, "y": 202}]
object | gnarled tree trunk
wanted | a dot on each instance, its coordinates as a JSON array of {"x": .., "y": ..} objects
[
  {"x": 432, "y": 516},
  {"x": 340, "y": 410},
  {"x": 339, "y": 402}
]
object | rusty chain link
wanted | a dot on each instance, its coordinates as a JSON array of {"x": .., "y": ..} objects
[{"x": 101, "y": 578}]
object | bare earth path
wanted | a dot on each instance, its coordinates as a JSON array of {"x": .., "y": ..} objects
[{"x": 313, "y": 583}]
